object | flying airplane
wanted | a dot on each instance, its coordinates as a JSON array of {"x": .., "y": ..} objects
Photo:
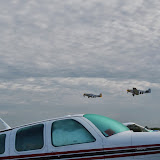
[
  {"x": 137, "y": 92},
  {"x": 78, "y": 137},
  {"x": 92, "y": 95}
]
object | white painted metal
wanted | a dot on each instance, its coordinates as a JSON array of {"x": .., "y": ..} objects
[
  {"x": 124, "y": 139},
  {"x": 5, "y": 124},
  {"x": 146, "y": 138},
  {"x": 85, "y": 146},
  {"x": 14, "y": 152}
]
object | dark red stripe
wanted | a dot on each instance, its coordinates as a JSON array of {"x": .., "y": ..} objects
[
  {"x": 145, "y": 153},
  {"x": 90, "y": 150},
  {"x": 127, "y": 147},
  {"x": 118, "y": 156},
  {"x": 132, "y": 154},
  {"x": 50, "y": 154}
]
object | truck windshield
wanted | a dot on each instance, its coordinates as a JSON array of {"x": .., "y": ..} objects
[{"x": 106, "y": 125}]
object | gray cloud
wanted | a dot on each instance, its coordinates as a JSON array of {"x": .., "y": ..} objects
[{"x": 52, "y": 51}]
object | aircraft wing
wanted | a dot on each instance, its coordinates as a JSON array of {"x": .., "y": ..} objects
[
  {"x": 88, "y": 95},
  {"x": 92, "y": 95},
  {"x": 135, "y": 91}
]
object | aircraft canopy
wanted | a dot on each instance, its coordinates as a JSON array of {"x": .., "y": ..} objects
[{"x": 106, "y": 125}]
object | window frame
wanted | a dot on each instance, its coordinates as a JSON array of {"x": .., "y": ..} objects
[
  {"x": 33, "y": 150},
  {"x": 51, "y": 137}
]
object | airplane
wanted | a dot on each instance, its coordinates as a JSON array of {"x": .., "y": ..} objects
[
  {"x": 92, "y": 95},
  {"x": 136, "y": 127},
  {"x": 78, "y": 137},
  {"x": 5, "y": 124},
  {"x": 137, "y": 92}
]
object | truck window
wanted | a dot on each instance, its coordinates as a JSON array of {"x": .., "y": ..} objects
[
  {"x": 2, "y": 143},
  {"x": 29, "y": 138},
  {"x": 69, "y": 132}
]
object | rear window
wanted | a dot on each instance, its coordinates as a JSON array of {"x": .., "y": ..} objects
[
  {"x": 29, "y": 138},
  {"x": 106, "y": 125}
]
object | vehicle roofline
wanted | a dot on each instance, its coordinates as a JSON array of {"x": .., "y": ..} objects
[{"x": 43, "y": 121}]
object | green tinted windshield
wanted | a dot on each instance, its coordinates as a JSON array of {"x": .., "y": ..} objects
[{"x": 106, "y": 125}]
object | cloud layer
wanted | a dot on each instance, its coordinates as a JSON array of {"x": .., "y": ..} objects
[{"x": 53, "y": 51}]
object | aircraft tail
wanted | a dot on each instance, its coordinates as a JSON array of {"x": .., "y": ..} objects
[
  {"x": 148, "y": 91},
  {"x": 5, "y": 124},
  {"x": 100, "y": 95}
]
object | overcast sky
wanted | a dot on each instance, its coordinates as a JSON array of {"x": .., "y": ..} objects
[{"x": 53, "y": 51}]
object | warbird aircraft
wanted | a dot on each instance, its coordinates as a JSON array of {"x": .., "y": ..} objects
[
  {"x": 89, "y": 95},
  {"x": 78, "y": 137},
  {"x": 137, "y": 92}
]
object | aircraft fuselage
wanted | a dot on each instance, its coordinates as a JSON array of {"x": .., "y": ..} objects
[
  {"x": 135, "y": 91},
  {"x": 78, "y": 137}
]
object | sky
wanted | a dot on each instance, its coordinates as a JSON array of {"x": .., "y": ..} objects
[{"x": 53, "y": 51}]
